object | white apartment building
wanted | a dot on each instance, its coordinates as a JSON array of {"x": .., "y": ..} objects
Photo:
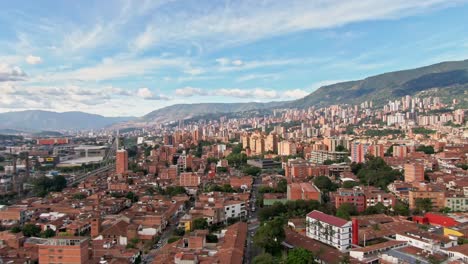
[
  {"x": 329, "y": 229},
  {"x": 235, "y": 209}
]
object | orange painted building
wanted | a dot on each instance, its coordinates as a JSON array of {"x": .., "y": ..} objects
[{"x": 72, "y": 250}]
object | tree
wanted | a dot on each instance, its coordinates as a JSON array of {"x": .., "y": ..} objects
[
  {"x": 377, "y": 173},
  {"x": 349, "y": 184},
  {"x": 270, "y": 236},
  {"x": 15, "y": 229},
  {"x": 401, "y": 208},
  {"x": 379, "y": 208},
  {"x": 346, "y": 210},
  {"x": 426, "y": 149},
  {"x": 282, "y": 186},
  {"x": 340, "y": 148},
  {"x": 299, "y": 256},
  {"x": 210, "y": 238},
  {"x": 79, "y": 196},
  {"x": 237, "y": 159},
  {"x": 200, "y": 223},
  {"x": 253, "y": 171},
  {"x": 423, "y": 205},
  {"x": 433, "y": 260},
  {"x": 48, "y": 233},
  {"x": 2, "y": 168},
  {"x": 43, "y": 185},
  {"x": 264, "y": 258},
  {"x": 31, "y": 230},
  {"x": 221, "y": 169},
  {"x": 132, "y": 197},
  {"x": 325, "y": 184}
]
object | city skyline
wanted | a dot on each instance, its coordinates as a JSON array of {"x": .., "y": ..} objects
[{"x": 136, "y": 57}]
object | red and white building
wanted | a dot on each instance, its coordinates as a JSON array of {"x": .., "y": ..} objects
[{"x": 328, "y": 229}]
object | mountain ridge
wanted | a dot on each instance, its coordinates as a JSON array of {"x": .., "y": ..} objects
[
  {"x": 447, "y": 80},
  {"x": 40, "y": 120}
]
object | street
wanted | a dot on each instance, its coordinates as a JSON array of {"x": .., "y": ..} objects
[
  {"x": 166, "y": 234},
  {"x": 253, "y": 224}
]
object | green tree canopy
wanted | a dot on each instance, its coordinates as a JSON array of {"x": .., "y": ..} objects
[
  {"x": 264, "y": 258},
  {"x": 31, "y": 230},
  {"x": 48, "y": 233},
  {"x": 423, "y": 205},
  {"x": 251, "y": 170},
  {"x": 300, "y": 256},
  {"x": 270, "y": 236},
  {"x": 376, "y": 172},
  {"x": 200, "y": 223},
  {"x": 346, "y": 210},
  {"x": 401, "y": 208},
  {"x": 426, "y": 149},
  {"x": 325, "y": 184}
]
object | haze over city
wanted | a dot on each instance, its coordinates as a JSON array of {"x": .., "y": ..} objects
[{"x": 129, "y": 58}]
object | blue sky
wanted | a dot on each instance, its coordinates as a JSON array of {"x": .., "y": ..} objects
[{"x": 131, "y": 57}]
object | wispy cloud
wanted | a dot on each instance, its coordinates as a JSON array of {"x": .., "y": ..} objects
[
  {"x": 11, "y": 73},
  {"x": 253, "y": 93},
  {"x": 33, "y": 59},
  {"x": 249, "y": 21}
]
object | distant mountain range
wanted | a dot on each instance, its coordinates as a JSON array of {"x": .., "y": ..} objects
[
  {"x": 447, "y": 80},
  {"x": 38, "y": 120},
  {"x": 185, "y": 111}
]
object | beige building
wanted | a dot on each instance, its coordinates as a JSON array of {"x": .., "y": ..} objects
[{"x": 287, "y": 148}]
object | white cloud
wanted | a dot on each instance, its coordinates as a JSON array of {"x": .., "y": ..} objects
[
  {"x": 194, "y": 71},
  {"x": 295, "y": 94},
  {"x": 33, "y": 59},
  {"x": 189, "y": 91},
  {"x": 11, "y": 73},
  {"x": 237, "y": 62},
  {"x": 145, "y": 39},
  {"x": 250, "y": 77},
  {"x": 223, "y": 61},
  {"x": 115, "y": 68},
  {"x": 249, "y": 21},
  {"x": 256, "y": 93},
  {"x": 147, "y": 94}
]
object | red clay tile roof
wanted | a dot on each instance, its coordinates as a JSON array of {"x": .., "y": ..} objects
[{"x": 329, "y": 219}]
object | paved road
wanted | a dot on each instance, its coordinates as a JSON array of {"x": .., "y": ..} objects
[
  {"x": 251, "y": 251},
  {"x": 166, "y": 234}
]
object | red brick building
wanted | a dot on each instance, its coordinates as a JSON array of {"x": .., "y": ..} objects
[
  {"x": 121, "y": 164},
  {"x": 353, "y": 196},
  {"x": 189, "y": 179},
  {"x": 73, "y": 250},
  {"x": 303, "y": 191}
]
